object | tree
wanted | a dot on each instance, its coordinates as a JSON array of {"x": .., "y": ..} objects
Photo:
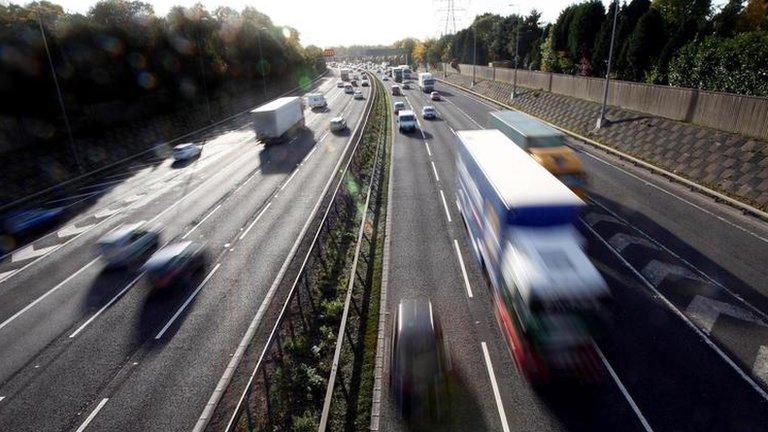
[
  {"x": 726, "y": 22},
  {"x": 755, "y": 15},
  {"x": 676, "y": 12},
  {"x": 644, "y": 44},
  {"x": 587, "y": 17}
]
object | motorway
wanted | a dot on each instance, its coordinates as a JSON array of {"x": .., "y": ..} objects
[
  {"x": 85, "y": 348},
  {"x": 686, "y": 348}
]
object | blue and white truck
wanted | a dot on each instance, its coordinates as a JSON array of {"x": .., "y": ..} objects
[
  {"x": 547, "y": 294},
  {"x": 426, "y": 82}
]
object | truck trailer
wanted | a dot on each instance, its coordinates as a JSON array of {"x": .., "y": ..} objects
[
  {"x": 426, "y": 82},
  {"x": 279, "y": 119}
]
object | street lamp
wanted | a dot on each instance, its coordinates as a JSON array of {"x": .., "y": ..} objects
[
  {"x": 262, "y": 61},
  {"x": 602, "y": 118},
  {"x": 517, "y": 48},
  {"x": 474, "y": 50}
]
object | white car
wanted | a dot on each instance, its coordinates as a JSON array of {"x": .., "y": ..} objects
[
  {"x": 338, "y": 124},
  {"x": 398, "y": 106},
  {"x": 340, "y": 84},
  {"x": 316, "y": 100},
  {"x": 385, "y": 78},
  {"x": 364, "y": 83},
  {"x": 348, "y": 88},
  {"x": 406, "y": 120},
  {"x": 186, "y": 151},
  {"x": 126, "y": 246},
  {"x": 428, "y": 112},
  {"x": 358, "y": 94}
]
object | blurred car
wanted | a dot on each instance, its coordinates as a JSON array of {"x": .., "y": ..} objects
[
  {"x": 175, "y": 263},
  {"x": 348, "y": 88},
  {"x": 396, "y": 90},
  {"x": 419, "y": 367},
  {"x": 399, "y": 105},
  {"x": 186, "y": 151},
  {"x": 126, "y": 246},
  {"x": 358, "y": 94},
  {"x": 364, "y": 83},
  {"x": 30, "y": 220},
  {"x": 406, "y": 85},
  {"x": 385, "y": 78},
  {"x": 428, "y": 112},
  {"x": 406, "y": 120},
  {"x": 435, "y": 96},
  {"x": 340, "y": 84},
  {"x": 338, "y": 124}
]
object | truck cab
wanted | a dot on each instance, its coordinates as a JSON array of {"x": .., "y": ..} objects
[{"x": 545, "y": 144}]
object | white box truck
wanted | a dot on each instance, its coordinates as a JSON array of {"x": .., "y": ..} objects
[
  {"x": 277, "y": 120},
  {"x": 344, "y": 73},
  {"x": 426, "y": 82}
]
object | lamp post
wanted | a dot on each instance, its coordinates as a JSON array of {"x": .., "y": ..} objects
[
  {"x": 517, "y": 48},
  {"x": 602, "y": 119},
  {"x": 61, "y": 98},
  {"x": 474, "y": 52},
  {"x": 262, "y": 61}
]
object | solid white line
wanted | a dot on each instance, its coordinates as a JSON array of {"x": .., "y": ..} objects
[
  {"x": 114, "y": 299},
  {"x": 322, "y": 138},
  {"x": 463, "y": 269},
  {"x": 445, "y": 205},
  {"x": 1, "y": 398},
  {"x": 429, "y": 152},
  {"x": 201, "y": 222},
  {"x": 696, "y": 206},
  {"x": 250, "y": 178},
  {"x": 624, "y": 391},
  {"x": 92, "y": 415},
  {"x": 186, "y": 303},
  {"x": 495, "y": 387},
  {"x": 682, "y": 316},
  {"x": 51, "y": 291},
  {"x": 437, "y": 177},
  {"x": 255, "y": 220},
  {"x": 311, "y": 152}
]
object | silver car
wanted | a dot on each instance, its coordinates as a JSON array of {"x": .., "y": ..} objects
[
  {"x": 186, "y": 151},
  {"x": 127, "y": 246},
  {"x": 338, "y": 124}
]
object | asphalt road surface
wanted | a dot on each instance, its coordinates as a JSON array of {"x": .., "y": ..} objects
[
  {"x": 86, "y": 347},
  {"x": 659, "y": 247}
]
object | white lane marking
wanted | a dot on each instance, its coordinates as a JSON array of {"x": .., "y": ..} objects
[
  {"x": 656, "y": 271},
  {"x": 593, "y": 218},
  {"x": 201, "y": 222},
  {"x": 107, "y": 212},
  {"x": 429, "y": 152},
  {"x": 445, "y": 205},
  {"x": 71, "y": 230},
  {"x": 29, "y": 252},
  {"x": 621, "y": 241},
  {"x": 1, "y": 398},
  {"x": 247, "y": 180},
  {"x": 624, "y": 391},
  {"x": 187, "y": 302},
  {"x": 677, "y": 196},
  {"x": 705, "y": 311},
  {"x": 463, "y": 269},
  {"x": 311, "y": 152},
  {"x": 437, "y": 177},
  {"x": 463, "y": 112},
  {"x": 449, "y": 127},
  {"x": 322, "y": 138},
  {"x": 69, "y": 198},
  {"x": 759, "y": 368},
  {"x": 295, "y": 171},
  {"x": 619, "y": 219},
  {"x": 92, "y": 415},
  {"x": 255, "y": 220},
  {"x": 51, "y": 291},
  {"x": 458, "y": 206},
  {"x": 703, "y": 336},
  {"x": 106, "y": 306},
  {"x": 495, "y": 387}
]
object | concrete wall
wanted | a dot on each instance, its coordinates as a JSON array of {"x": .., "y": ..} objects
[{"x": 746, "y": 115}]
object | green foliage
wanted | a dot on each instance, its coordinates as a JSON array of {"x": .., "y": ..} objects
[
  {"x": 734, "y": 65},
  {"x": 644, "y": 45},
  {"x": 726, "y": 22},
  {"x": 581, "y": 32}
]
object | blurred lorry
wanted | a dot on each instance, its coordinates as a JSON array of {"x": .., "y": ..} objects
[
  {"x": 545, "y": 144},
  {"x": 426, "y": 82},
  {"x": 279, "y": 119},
  {"x": 548, "y": 297},
  {"x": 406, "y": 71},
  {"x": 344, "y": 72}
]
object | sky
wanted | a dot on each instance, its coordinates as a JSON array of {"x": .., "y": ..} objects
[{"x": 328, "y": 23}]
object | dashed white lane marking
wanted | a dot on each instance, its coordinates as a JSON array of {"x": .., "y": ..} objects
[
  {"x": 465, "y": 114},
  {"x": 759, "y": 368},
  {"x": 295, "y": 171},
  {"x": 594, "y": 218},
  {"x": 107, "y": 212},
  {"x": 429, "y": 152},
  {"x": 187, "y": 302},
  {"x": 704, "y": 312},
  {"x": 463, "y": 269},
  {"x": 621, "y": 241},
  {"x": 495, "y": 387},
  {"x": 656, "y": 271},
  {"x": 201, "y": 222},
  {"x": 254, "y": 221},
  {"x": 434, "y": 169},
  {"x": 1, "y": 398},
  {"x": 92, "y": 415},
  {"x": 445, "y": 206},
  {"x": 624, "y": 391},
  {"x": 49, "y": 292},
  {"x": 106, "y": 306}
]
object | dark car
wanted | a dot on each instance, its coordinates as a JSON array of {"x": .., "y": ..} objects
[
  {"x": 175, "y": 263},
  {"x": 30, "y": 220},
  {"x": 419, "y": 367}
]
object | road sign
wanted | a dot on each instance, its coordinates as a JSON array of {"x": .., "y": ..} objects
[{"x": 329, "y": 52}]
